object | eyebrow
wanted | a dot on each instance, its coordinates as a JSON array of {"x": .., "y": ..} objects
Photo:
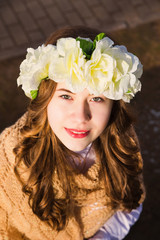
[{"x": 65, "y": 90}]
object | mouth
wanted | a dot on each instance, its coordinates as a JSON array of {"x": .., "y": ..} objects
[{"x": 75, "y": 133}]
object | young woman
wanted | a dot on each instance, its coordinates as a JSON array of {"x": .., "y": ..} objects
[{"x": 71, "y": 167}]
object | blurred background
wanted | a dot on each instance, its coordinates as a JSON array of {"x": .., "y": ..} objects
[{"x": 134, "y": 23}]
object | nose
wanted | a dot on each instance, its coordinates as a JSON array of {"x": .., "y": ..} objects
[{"x": 81, "y": 112}]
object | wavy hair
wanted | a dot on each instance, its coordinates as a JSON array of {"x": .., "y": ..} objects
[{"x": 42, "y": 153}]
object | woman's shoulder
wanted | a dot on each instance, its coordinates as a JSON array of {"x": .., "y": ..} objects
[{"x": 9, "y": 139}]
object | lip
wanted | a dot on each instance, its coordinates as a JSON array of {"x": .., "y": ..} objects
[{"x": 76, "y": 133}]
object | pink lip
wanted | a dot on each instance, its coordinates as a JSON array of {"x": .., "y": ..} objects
[{"x": 75, "y": 133}]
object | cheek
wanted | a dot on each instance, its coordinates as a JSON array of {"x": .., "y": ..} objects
[
  {"x": 102, "y": 118},
  {"x": 52, "y": 116},
  {"x": 56, "y": 116}
]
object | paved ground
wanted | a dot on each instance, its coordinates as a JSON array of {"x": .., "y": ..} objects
[{"x": 25, "y": 23}]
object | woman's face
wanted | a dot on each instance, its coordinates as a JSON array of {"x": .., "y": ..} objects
[{"x": 77, "y": 119}]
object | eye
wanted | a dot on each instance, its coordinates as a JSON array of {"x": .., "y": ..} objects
[
  {"x": 66, "y": 97},
  {"x": 97, "y": 99}
]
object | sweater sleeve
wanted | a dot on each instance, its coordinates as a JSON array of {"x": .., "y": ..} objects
[{"x": 118, "y": 226}]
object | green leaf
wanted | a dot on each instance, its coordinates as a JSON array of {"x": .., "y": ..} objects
[
  {"x": 129, "y": 91},
  {"x": 98, "y": 38},
  {"x": 34, "y": 94},
  {"x": 86, "y": 46}
]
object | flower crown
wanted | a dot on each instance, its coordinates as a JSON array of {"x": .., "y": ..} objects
[{"x": 82, "y": 63}]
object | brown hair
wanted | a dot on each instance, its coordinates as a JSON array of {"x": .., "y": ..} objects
[{"x": 42, "y": 153}]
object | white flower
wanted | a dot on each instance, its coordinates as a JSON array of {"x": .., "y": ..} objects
[
  {"x": 35, "y": 68},
  {"x": 68, "y": 65},
  {"x": 99, "y": 70},
  {"x": 126, "y": 73},
  {"x": 113, "y": 71}
]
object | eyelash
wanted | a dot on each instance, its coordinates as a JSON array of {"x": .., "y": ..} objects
[
  {"x": 99, "y": 99},
  {"x": 94, "y": 99},
  {"x": 65, "y": 97}
]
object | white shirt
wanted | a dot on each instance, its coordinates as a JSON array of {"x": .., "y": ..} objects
[{"x": 118, "y": 226}]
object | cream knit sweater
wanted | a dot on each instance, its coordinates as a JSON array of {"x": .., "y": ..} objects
[{"x": 17, "y": 221}]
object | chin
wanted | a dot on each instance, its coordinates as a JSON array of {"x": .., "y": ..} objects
[{"x": 77, "y": 148}]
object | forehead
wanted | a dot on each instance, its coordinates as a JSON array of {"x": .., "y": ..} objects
[{"x": 61, "y": 86}]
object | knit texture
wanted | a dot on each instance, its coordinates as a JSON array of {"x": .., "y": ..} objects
[{"x": 17, "y": 221}]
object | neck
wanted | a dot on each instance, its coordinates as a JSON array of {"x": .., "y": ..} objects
[{"x": 86, "y": 160}]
